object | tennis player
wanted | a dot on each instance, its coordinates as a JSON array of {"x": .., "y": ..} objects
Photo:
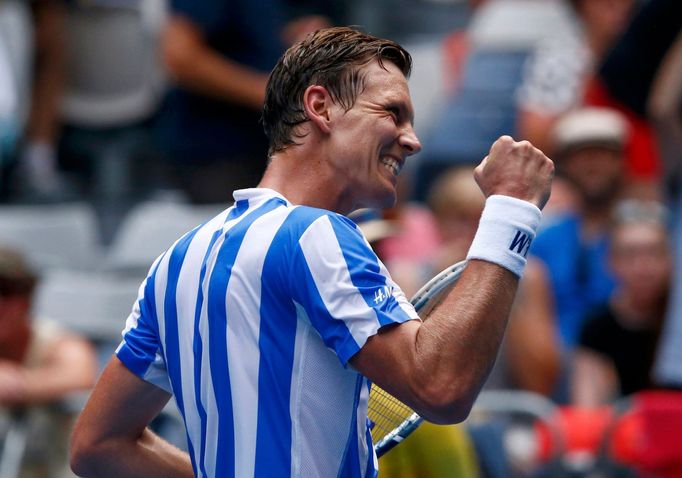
[{"x": 268, "y": 323}]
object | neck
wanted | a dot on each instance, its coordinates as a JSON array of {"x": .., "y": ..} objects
[{"x": 305, "y": 179}]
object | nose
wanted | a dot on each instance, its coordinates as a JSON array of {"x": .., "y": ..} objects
[{"x": 409, "y": 142}]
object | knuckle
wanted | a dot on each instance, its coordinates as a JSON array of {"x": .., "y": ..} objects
[
  {"x": 504, "y": 140},
  {"x": 525, "y": 147}
]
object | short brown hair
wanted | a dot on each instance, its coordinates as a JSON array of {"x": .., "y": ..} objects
[
  {"x": 16, "y": 276},
  {"x": 332, "y": 58}
]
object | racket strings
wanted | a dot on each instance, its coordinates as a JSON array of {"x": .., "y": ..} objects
[{"x": 385, "y": 412}]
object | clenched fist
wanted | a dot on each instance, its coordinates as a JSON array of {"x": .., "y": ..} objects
[{"x": 516, "y": 169}]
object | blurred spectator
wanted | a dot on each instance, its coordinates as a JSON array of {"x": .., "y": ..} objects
[
  {"x": 556, "y": 75},
  {"x": 110, "y": 95},
  {"x": 219, "y": 54},
  {"x": 457, "y": 203},
  {"x": 40, "y": 364},
  {"x": 35, "y": 175},
  {"x": 624, "y": 82},
  {"x": 617, "y": 344},
  {"x": 482, "y": 68},
  {"x": 531, "y": 353},
  {"x": 643, "y": 76},
  {"x": 589, "y": 155},
  {"x": 406, "y": 20}
]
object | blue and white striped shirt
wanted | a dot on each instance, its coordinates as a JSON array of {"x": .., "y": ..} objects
[{"x": 250, "y": 320}]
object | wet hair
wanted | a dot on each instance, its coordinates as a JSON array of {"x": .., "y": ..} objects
[
  {"x": 332, "y": 58},
  {"x": 16, "y": 277}
]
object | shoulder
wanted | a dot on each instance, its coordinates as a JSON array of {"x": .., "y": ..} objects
[{"x": 306, "y": 219}]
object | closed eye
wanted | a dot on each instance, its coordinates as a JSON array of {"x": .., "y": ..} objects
[{"x": 395, "y": 113}]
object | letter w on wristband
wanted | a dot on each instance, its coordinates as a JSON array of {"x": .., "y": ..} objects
[
  {"x": 505, "y": 232},
  {"x": 521, "y": 243}
]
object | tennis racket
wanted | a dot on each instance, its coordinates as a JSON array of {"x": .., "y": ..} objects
[{"x": 391, "y": 420}]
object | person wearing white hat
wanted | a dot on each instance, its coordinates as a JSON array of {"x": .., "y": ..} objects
[{"x": 588, "y": 149}]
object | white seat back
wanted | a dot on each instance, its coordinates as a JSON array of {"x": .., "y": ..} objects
[{"x": 52, "y": 236}]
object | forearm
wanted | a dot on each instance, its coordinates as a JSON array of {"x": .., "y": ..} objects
[
  {"x": 110, "y": 437},
  {"x": 49, "y": 72},
  {"x": 147, "y": 457},
  {"x": 457, "y": 344},
  {"x": 197, "y": 67}
]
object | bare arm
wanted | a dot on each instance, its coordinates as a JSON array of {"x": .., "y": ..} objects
[
  {"x": 532, "y": 348},
  {"x": 439, "y": 366},
  {"x": 594, "y": 379},
  {"x": 49, "y": 71},
  {"x": 194, "y": 65},
  {"x": 111, "y": 438},
  {"x": 69, "y": 366}
]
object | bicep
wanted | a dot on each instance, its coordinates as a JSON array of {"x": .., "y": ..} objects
[
  {"x": 345, "y": 290},
  {"x": 120, "y": 407},
  {"x": 386, "y": 356}
]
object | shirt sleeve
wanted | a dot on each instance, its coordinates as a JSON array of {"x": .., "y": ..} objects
[
  {"x": 140, "y": 351},
  {"x": 346, "y": 291}
]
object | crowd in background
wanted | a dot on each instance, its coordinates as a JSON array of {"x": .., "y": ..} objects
[{"x": 124, "y": 104}]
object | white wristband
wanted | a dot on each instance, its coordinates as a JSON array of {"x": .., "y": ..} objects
[{"x": 505, "y": 232}]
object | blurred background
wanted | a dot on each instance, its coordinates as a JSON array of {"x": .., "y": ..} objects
[{"x": 125, "y": 123}]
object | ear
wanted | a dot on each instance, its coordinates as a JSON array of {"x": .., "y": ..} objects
[{"x": 317, "y": 104}]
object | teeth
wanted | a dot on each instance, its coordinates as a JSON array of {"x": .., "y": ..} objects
[{"x": 392, "y": 165}]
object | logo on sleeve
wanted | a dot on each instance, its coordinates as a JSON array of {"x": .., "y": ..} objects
[
  {"x": 521, "y": 243},
  {"x": 382, "y": 293}
]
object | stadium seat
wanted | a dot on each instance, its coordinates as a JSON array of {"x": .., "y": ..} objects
[
  {"x": 52, "y": 236},
  {"x": 151, "y": 228},
  {"x": 501, "y": 36},
  {"x": 90, "y": 303},
  {"x": 646, "y": 435}
]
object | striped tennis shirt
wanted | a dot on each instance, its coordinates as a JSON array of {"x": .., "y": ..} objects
[{"x": 250, "y": 320}]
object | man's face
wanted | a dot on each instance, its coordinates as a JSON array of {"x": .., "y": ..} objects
[
  {"x": 372, "y": 140},
  {"x": 596, "y": 173},
  {"x": 641, "y": 260}
]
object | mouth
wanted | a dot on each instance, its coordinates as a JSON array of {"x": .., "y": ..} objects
[{"x": 392, "y": 164}]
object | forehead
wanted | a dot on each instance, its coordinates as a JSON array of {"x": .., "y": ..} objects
[
  {"x": 640, "y": 234},
  {"x": 385, "y": 82}
]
